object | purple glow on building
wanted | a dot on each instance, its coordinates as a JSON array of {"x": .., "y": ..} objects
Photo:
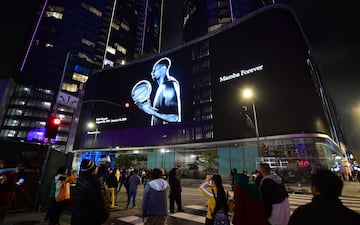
[
  {"x": 33, "y": 36},
  {"x": 144, "y": 29},
  {"x": 231, "y": 11},
  {"x": 36, "y": 134}
]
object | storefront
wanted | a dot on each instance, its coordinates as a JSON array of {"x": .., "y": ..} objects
[{"x": 293, "y": 157}]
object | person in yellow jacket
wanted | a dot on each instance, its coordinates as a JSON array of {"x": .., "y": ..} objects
[
  {"x": 62, "y": 194},
  {"x": 213, "y": 185}
]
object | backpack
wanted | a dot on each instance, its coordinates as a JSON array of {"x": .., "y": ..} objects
[{"x": 221, "y": 216}]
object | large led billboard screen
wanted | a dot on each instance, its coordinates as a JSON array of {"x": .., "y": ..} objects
[{"x": 265, "y": 52}]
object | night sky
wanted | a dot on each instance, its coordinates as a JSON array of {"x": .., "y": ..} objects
[
  {"x": 333, "y": 31},
  {"x": 332, "y": 28}
]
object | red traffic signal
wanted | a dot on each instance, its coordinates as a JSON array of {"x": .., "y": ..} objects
[
  {"x": 55, "y": 121},
  {"x": 52, "y": 127}
]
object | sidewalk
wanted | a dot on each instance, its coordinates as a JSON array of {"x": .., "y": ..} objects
[{"x": 351, "y": 189}]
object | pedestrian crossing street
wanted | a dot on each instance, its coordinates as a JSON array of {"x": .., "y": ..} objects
[{"x": 196, "y": 213}]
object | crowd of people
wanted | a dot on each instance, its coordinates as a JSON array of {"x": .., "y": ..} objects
[{"x": 261, "y": 199}]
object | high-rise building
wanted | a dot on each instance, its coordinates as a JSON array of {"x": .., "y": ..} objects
[
  {"x": 68, "y": 42},
  {"x": 203, "y": 16}
]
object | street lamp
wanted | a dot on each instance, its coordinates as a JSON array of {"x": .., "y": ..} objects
[
  {"x": 248, "y": 94},
  {"x": 91, "y": 127}
]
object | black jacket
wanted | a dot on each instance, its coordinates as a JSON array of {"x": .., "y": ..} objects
[
  {"x": 324, "y": 210},
  {"x": 91, "y": 202},
  {"x": 175, "y": 186}
]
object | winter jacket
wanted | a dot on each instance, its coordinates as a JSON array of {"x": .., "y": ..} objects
[
  {"x": 134, "y": 181},
  {"x": 207, "y": 191},
  {"x": 62, "y": 186},
  {"x": 175, "y": 186},
  {"x": 275, "y": 196},
  {"x": 155, "y": 198},
  {"x": 324, "y": 210},
  {"x": 91, "y": 202}
]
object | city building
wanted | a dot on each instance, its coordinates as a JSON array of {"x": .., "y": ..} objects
[
  {"x": 203, "y": 16},
  {"x": 289, "y": 122},
  {"x": 69, "y": 40}
]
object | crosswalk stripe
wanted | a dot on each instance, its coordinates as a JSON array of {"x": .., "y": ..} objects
[
  {"x": 298, "y": 200},
  {"x": 196, "y": 207},
  {"x": 295, "y": 201},
  {"x": 135, "y": 220},
  {"x": 188, "y": 216}
]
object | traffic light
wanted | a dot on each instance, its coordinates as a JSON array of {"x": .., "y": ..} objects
[{"x": 52, "y": 126}]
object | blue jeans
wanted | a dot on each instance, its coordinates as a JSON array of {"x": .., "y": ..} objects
[{"x": 132, "y": 194}]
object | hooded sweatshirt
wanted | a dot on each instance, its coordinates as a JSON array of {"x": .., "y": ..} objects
[
  {"x": 155, "y": 198},
  {"x": 276, "y": 200}
]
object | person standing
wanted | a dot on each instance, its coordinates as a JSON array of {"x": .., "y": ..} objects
[
  {"x": 216, "y": 195},
  {"x": 233, "y": 171},
  {"x": 7, "y": 187},
  {"x": 258, "y": 177},
  {"x": 154, "y": 205},
  {"x": 249, "y": 207},
  {"x": 112, "y": 186},
  {"x": 103, "y": 171},
  {"x": 276, "y": 198},
  {"x": 122, "y": 179},
  {"x": 61, "y": 196},
  {"x": 175, "y": 191},
  {"x": 134, "y": 181},
  {"x": 325, "y": 206},
  {"x": 91, "y": 205}
]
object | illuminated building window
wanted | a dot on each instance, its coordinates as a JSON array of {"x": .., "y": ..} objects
[
  {"x": 91, "y": 9},
  {"x": 108, "y": 62},
  {"x": 15, "y": 112},
  {"x": 69, "y": 87},
  {"x": 87, "y": 42},
  {"x": 115, "y": 26},
  {"x": 55, "y": 15},
  {"x": 79, "y": 77},
  {"x": 11, "y": 123},
  {"x": 120, "y": 49},
  {"x": 82, "y": 55},
  {"x": 124, "y": 26},
  {"x": 54, "y": 11},
  {"x": 214, "y": 27},
  {"x": 10, "y": 133},
  {"x": 111, "y": 50}
]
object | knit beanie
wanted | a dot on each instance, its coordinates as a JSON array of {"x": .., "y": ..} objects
[{"x": 87, "y": 166}]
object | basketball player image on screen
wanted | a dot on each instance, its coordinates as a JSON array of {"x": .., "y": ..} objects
[{"x": 166, "y": 107}]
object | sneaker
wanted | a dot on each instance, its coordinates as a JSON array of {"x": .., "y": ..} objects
[
  {"x": 127, "y": 206},
  {"x": 134, "y": 207},
  {"x": 181, "y": 210}
]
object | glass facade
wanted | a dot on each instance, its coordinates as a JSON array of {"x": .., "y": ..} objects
[{"x": 293, "y": 157}]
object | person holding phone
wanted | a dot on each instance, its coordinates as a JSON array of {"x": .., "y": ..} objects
[{"x": 218, "y": 198}]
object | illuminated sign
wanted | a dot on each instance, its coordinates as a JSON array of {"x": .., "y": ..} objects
[
  {"x": 241, "y": 74},
  {"x": 102, "y": 120}
]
